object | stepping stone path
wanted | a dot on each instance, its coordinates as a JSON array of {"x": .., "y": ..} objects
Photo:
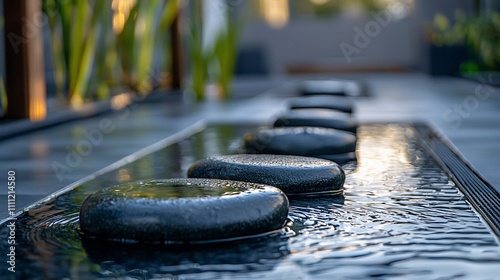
[
  {"x": 301, "y": 141},
  {"x": 317, "y": 118},
  {"x": 183, "y": 210},
  {"x": 292, "y": 174},
  {"x": 336, "y": 103},
  {"x": 237, "y": 196}
]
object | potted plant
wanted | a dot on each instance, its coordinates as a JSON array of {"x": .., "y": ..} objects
[{"x": 479, "y": 33}]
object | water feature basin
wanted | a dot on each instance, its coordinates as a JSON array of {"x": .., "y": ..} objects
[{"x": 401, "y": 216}]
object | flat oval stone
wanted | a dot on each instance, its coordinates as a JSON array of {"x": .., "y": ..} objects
[
  {"x": 331, "y": 87},
  {"x": 183, "y": 210},
  {"x": 300, "y": 141},
  {"x": 317, "y": 118},
  {"x": 292, "y": 174},
  {"x": 323, "y": 102}
]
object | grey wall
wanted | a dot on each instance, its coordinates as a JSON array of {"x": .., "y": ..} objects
[
  {"x": 306, "y": 41},
  {"x": 315, "y": 41}
]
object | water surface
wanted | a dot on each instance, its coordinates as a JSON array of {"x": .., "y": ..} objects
[{"x": 400, "y": 217}]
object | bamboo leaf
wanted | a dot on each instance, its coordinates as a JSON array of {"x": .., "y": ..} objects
[
  {"x": 65, "y": 11},
  {"x": 199, "y": 59},
  {"x": 86, "y": 59},
  {"x": 3, "y": 94},
  {"x": 78, "y": 26},
  {"x": 125, "y": 45},
  {"x": 169, "y": 13},
  {"x": 50, "y": 9},
  {"x": 225, "y": 54},
  {"x": 105, "y": 54},
  {"x": 145, "y": 42}
]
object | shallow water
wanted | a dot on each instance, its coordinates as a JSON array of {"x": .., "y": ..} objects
[{"x": 400, "y": 217}]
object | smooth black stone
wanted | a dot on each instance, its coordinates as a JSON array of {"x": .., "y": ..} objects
[
  {"x": 323, "y": 102},
  {"x": 292, "y": 174},
  {"x": 317, "y": 118},
  {"x": 331, "y": 87},
  {"x": 300, "y": 141},
  {"x": 183, "y": 210}
]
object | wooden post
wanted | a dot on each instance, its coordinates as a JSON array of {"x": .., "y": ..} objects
[
  {"x": 25, "y": 77},
  {"x": 177, "y": 68}
]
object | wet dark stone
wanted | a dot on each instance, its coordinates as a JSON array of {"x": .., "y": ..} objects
[
  {"x": 292, "y": 174},
  {"x": 183, "y": 210},
  {"x": 323, "y": 102},
  {"x": 331, "y": 87},
  {"x": 300, "y": 141},
  {"x": 317, "y": 118}
]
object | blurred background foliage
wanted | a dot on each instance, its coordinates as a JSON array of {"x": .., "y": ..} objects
[
  {"x": 136, "y": 40},
  {"x": 199, "y": 58},
  {"x": 480, "y": 32},
  {"x": 74, "y": 27},
  {"x": 225, "y": 55},
  {"x": 213, "y": 53},
  {"x": 101, "y": 46},
  {"x": 3, "y": 95}
]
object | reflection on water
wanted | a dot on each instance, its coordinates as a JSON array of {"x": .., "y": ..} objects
[
  {"x": 400, "y": 217},
  {"x": 161, "y": 190},
  {"x": 119, "y": 259}
]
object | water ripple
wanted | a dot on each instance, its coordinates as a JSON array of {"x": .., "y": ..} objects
[{"x": 400, "y": 216}]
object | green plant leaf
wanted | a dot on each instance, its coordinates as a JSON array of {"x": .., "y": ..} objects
[
  {"x": 85, "y": 58},
  {"x": 106, "y": 55},
  {"x": 225, "y": 54},
  {"x": 441, "y": 22},
  {"x": 3, "y": 94},
  {"x": 198, "y": 58},
  {"x": 65, "y": 11},
  {"x": 136, "y": 44},
  {"x": 169, "y": 13},
  {"x": 145, "y": 43}
]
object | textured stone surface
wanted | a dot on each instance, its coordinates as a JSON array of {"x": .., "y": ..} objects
[
  {"x": 331, "y": 87},
  {"x": 292, "y": 174},
  {"x": 337, "y": 103},
  {"x": 301, "y": 141},
  {"x": 317, "y": 118},
  {"x": 183, "y": 210}
]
